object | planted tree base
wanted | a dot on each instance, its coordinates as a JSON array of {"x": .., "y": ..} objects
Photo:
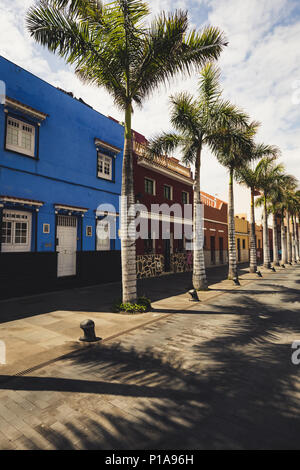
[{"x": 142, "y": 305}]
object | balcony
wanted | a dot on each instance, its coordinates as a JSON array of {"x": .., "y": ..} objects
[{"x": 169, "y": 163}]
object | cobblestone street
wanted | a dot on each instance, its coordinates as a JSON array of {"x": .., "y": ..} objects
[{"x": 216, "y": 376}]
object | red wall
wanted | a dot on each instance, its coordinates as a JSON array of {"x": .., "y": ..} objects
[{"x": 216, "y": 214}]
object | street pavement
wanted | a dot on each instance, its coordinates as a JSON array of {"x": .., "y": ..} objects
[
  {"x": 39, "y": 328},
  {"x": 214, "y": 375}
]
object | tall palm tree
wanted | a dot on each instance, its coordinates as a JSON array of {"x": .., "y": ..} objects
[
  {"x": 234, "y": 154},
  {"x": 247, "y": 175},
  {"x": 275, "y": 199},
  {"x": 268, "y": 174},
  {"x": 112, "y": 47},
  {"x": 297, "y": 213},
  {"x": 291, "y": 202},
  {"x": 198, "y": 122}
]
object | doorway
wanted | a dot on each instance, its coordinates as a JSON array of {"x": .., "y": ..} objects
[
  {"x": 66, "y": 245},
  {"x": 212, "y": 250}
]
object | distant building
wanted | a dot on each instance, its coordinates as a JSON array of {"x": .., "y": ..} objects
[
  {"x": 242, "y": 237},
  {"x": 259, "y": 242}
]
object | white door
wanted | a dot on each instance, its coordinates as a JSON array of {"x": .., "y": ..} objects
[{"x": 67, "y": 244}]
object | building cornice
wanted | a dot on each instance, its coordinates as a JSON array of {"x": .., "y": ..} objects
[
  {"x": 24, "y": 108},
  {"x": 166, "y": 171}
]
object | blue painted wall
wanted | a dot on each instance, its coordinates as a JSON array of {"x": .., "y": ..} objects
[{"x": 66, "y": 171}]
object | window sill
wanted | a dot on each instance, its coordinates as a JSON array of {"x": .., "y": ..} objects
[
  {"x": 22, "y": 154},
  {"x": 106, "y": 179}
]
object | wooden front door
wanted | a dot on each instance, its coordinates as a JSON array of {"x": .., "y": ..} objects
[{"x": 66, "y": 245}]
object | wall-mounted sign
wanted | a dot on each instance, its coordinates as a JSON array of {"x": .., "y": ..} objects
[
  {"x": 89, "y": 230},
  {"x": 46, "y": 228}
]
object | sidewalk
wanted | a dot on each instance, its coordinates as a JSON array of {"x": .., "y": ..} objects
[{"x": 38, "y": 329}]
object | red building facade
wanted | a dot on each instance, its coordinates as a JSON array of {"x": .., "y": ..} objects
[{"x": 164, "y": 180}]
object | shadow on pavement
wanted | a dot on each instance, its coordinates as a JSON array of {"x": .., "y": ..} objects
[
  {"x": 101, "y": 298},
  {"x": 240, "y": 393}
]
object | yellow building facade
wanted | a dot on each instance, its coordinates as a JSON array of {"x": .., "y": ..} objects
[{"x": 241, "y": 225}]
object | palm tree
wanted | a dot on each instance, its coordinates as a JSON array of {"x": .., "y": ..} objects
[
  {"x": 234, "y": 154},
  {"x": 291, "y": 202},
  {"x": 198, "y": 122},
  {"x": 297, "y": 212},
  {"x": 268, "y": 175},
  {"x": 275, "y": 199},
  {"x": 247, "y": 176},
  {"x": 112, "y": 47}
]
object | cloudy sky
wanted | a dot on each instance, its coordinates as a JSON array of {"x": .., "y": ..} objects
[{"x": 260, "y": 73}]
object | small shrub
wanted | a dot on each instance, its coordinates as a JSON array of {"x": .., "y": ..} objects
[{"x": 142, "y": 305}]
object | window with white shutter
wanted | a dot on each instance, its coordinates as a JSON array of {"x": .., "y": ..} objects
[
  {"x": 16, "y": 231},
  {"x": 105, "y": 165},
  {"x": 20, "y": 137}
]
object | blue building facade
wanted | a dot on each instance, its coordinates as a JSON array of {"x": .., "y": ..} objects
[{"x": 59, "y": 161}]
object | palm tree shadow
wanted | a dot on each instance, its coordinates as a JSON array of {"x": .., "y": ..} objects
[{"x": 240, "y": 391}]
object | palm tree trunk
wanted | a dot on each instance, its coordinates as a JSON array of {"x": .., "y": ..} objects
[
  {"x": 293, "y": 241},
  {"x": 253, "y": 259},
  {"x": 232, "y": 268},
  {"x": 128, "y": 250},
  {"x": 298, "y": 237},
  {"x": 267, "y": 263},
  {"x": 296, "y": 240},
  {"x": 283, "y": 241},
  {"x": 275, "y": 242},
  {"x": 288, "y": 239},
  {"x": 199, "y": 275}
]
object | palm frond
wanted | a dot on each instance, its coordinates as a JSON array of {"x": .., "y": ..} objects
[
  {"x": 164, "y": 143},
  {"x": 185, "y": 114}
]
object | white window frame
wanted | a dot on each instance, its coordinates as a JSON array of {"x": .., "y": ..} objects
[
  {"x": 20, "y": 127},
  {"x": 154, "y": 186},
  {"x": 12, "y": 217},
  {"x": 188, "y": 197},
  {"x": 105, "y": 159},
  {"x": 100, "y": 245},
  {"x": 171, "y": 192}
]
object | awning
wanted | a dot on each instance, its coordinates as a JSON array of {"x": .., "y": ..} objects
[
  {"x": 68, "y": 208},
  {"x": 20, "y": 201},
  {"x": 24, "y": 108},
  {"x": 107, "y": 146}
]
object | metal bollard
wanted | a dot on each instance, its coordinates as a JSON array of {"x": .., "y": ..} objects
[
  {"x": 88, "y": 327},
  {"x": 194, "y": 295}
]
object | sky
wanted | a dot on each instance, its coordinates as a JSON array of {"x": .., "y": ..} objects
[{"x": 260, "y": 72}]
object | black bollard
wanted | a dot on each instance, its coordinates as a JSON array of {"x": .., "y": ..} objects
[
  {"x": 88, "y": 327},
  {"x": 194, "y": 295}
]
